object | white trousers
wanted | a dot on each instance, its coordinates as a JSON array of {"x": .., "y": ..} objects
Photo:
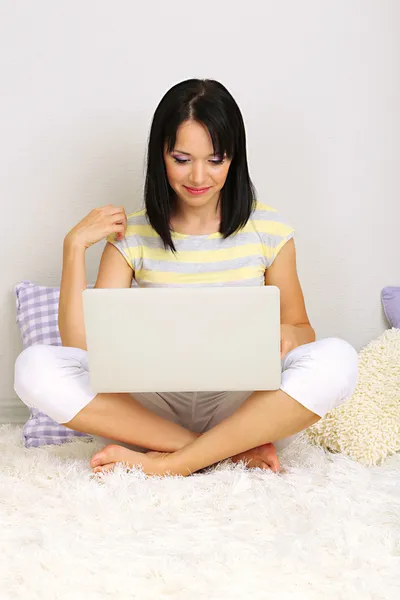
[{"x": 55, "y": 380}]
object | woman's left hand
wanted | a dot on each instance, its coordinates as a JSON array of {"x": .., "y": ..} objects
[{"x": 289, "y": 339}]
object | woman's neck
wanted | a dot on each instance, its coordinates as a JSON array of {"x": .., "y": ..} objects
[{"x": 193, "y": 220}]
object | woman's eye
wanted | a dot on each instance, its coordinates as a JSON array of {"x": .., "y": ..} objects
[{"x": 181, "y": 161}]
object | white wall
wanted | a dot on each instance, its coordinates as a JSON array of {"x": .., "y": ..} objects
[{"x": 318, "y": 86}]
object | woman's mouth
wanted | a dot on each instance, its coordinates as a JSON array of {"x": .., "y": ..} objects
[{"x": 196, "y": 191}]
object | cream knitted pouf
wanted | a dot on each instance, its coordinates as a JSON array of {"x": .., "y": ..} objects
[{"x": 367, "y": 426}]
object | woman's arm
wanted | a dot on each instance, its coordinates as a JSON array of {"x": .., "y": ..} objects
[
  {"x": 114, "y": 271},
  {"x": 70, "y": 308},
  {"x": 296, "y": 329}
]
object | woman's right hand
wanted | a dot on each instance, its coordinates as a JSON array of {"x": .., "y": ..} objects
[{"x": 98, "y": 224}]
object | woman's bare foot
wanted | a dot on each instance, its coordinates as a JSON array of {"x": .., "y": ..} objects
[
  {"x": 263, "y": 457},
  {"x": 152, "y": 463},
  {"x": 158, "y": 463}
]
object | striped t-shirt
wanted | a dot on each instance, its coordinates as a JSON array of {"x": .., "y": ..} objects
[{"x": 204, "y": 260}]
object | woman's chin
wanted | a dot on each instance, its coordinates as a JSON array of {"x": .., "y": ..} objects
[{"x": 191, "y": 200}]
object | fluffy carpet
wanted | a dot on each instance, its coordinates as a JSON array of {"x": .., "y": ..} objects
[{"x": 328, "y": 527}]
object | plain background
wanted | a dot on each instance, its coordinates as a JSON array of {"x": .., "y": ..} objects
[{"x": 318, "y": 84}]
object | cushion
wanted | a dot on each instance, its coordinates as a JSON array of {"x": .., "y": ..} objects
[
  {"x": 37, "y": 317},
  {"x": 367, "y": 426},
  {"x": 391, "y": 305}
]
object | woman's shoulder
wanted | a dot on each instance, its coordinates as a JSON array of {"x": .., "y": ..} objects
[
  {"x": 262, "y": 210},
  {"x": 137, "y": 216},
  {"x": 272, "y": 229},
  {"x": 137, "y": 228},
  {"x": 267, "y": 218},
  {"x": 138, "y": 224}
]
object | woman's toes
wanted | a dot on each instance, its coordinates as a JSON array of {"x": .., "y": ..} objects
[
  {"x": 269, "y": 456},
  {"x": 106, "y": 455},
  {"x": 96, "y": 459},
  {"x": 274, "y": 464},
  {"x": 113, "y": 453},
  {"x": 104, "y": 468}
]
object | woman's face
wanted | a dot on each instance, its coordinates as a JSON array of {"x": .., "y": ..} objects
[{"x": 192, "y": 164}]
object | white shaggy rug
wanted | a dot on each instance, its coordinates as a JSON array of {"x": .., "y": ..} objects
[{"x": 327, "y": 528}]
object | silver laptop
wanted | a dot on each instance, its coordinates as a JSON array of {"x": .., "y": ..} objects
[{"x": 183, "y": 339}]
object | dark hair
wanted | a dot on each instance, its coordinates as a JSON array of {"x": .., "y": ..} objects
[{"x": 208, "y": 102}]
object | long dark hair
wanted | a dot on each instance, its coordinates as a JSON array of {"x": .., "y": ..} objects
[{"x": 208, "y": 102}]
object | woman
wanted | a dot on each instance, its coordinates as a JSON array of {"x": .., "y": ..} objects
[{"x": 201, "y": 225}]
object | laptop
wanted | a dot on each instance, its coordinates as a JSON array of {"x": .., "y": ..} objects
[{"x": 183, "y": 339}]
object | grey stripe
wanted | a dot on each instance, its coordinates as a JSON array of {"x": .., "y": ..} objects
[
  {"x": 138, "y": 220},
  {"x": 268, "y": 215},
  {"x": 254, "y": 260},
  {"x": 204, "y": 244},
  {"x": 254, "y": 282}
]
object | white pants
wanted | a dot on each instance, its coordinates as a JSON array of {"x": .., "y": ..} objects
[{"x": 55, "y": 380}]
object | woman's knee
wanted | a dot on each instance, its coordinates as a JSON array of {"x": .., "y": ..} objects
[
  {"x": 31, "y": 371},
  {"x": 338, "y": 361},
  {"x": 340, "y": 354},
  {"x": 321, "y": 375},
  {"x": 53, "y": 379}
]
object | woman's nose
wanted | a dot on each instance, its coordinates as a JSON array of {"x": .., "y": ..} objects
[{"x": 198, "y": 173}]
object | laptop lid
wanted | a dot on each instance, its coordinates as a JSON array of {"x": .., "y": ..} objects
[{"x": 183, "y": 339}]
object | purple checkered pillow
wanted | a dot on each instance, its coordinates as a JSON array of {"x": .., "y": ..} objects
[{"x": 37, "y": 317}]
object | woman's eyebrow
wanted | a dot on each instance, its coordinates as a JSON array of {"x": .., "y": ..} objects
[{"x": 187, "y": 153}]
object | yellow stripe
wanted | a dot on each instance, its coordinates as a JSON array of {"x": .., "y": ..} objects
[
  {"x": 144, "y": 230},
  {"x": 221, "y": 276},
  {"x": 148, "y": 231},
  {"x": 138, "y": 213},
  {"x": 261, "y": 206},
  {"x": 202, "y": 256},
  {"x": 272, "y": 227}
]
